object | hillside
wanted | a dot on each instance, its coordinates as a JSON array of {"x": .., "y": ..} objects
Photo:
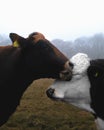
[
  {"x": 93, "y": 46},
  {"x": 38, "y": 112}
]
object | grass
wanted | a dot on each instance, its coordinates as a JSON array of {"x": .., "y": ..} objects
[{"x": 38, "y": 112}]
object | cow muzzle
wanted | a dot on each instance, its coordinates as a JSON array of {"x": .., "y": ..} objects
[
  {"x": 50, "y": 92},
  {"x": 66, "y": 74}
]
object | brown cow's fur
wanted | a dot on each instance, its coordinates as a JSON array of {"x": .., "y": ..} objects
[{"x": 35, "y": 58}]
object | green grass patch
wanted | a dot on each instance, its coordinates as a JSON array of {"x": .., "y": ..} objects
[{"x": 38, "y": 112}]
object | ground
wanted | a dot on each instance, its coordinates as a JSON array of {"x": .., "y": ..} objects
[{"x": 38, "y": 112}]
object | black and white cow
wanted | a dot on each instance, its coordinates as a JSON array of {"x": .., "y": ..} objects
[{"x": 86, "y": 88}]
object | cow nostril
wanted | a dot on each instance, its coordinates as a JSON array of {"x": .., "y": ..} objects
[
  {"x": 50, "y": 92},
  {"x": 71, "y": 65}
]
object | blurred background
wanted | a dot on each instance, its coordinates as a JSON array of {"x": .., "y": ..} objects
[{"x": 63, "y": 19}]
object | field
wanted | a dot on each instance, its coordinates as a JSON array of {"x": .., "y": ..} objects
[{"x": 37, "y": 112}]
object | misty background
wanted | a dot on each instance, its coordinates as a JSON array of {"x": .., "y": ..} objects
[{"x": 93, "y": 45}]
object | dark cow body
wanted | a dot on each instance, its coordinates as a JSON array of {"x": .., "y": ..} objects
[
  {"x": 96, "y": 77},
  {"x": 28, "y": 59}
]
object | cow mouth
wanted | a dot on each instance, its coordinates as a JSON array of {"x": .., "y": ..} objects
[
  {"x": 57, "y": 98},
  {"x": 51, "y": 95}
]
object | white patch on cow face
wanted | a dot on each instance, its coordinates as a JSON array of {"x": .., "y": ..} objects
[{"x": 76, "y": 91}]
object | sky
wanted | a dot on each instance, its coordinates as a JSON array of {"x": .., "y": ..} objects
[{"x": 56, "y": 19}]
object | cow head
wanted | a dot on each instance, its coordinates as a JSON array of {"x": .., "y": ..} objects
[{"x": 41, "y": 58}]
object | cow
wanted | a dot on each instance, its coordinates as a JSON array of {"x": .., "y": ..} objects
[
  {"x": 86, "y": 88},
  {"x": 26, "y": 60}
]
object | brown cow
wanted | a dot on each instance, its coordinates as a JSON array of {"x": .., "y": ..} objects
[{"x": 27, "y": 59}]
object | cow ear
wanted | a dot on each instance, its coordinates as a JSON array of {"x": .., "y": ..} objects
[{"x": 17, "y": 40}]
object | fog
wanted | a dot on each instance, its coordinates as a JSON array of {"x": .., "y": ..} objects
[{"x": 93, "y": 46}]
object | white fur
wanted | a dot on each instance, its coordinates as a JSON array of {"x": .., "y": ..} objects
[
  {"x": 77, "y": 91},
  {"x": 74, "y": 92}
]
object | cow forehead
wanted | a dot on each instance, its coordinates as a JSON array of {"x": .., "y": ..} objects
[{"x": 39, "y": 36}]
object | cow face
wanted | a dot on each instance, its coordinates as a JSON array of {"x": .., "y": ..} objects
[{"x": 41, "y": 58}]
